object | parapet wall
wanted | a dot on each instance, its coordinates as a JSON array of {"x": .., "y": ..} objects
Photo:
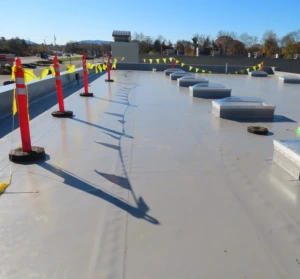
[
  {"x": 161, "y": 67},
  {"x": 281, "y": 64},
  {"x": 37, "y": 89}
]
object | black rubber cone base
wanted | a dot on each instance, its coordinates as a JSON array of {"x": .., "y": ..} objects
[
  {"x": 86, "y": 94},
  {"x": 258, "y": 130},
  {"x": 109, "y": 80},
  {"x": 60, "y": 114},
  {"x": 17, "y": 155}
]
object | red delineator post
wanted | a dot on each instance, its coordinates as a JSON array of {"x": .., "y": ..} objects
[
  {"x": 58, "y": 86},
  {"x": 172, "y": 62},
  {"x": 22, "y": 107},
  {"x": 108, "y": 68},
  {"x": 26, "y": 152},
  {"x": 85, "y": 79},
  {"x": 62, "y": 112},
  {"x": 263, "y": 66}
]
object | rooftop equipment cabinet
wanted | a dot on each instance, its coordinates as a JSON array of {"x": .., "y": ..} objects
[{"x": 123, "y": 47}]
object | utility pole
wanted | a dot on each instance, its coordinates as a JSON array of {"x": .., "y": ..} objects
[{"x": 55, "y": 45}]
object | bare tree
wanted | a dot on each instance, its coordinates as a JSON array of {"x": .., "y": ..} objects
[
  {"x": 270, "y": 43},
  {"x": 230, "y": 34},
  {"x": 161, "y": 38},
  {"x": 138, "y": 36},
  {"x": 200, "y": 39},
  {"x": 292, "y": 37},
  {"x": 248, "y": 40}
]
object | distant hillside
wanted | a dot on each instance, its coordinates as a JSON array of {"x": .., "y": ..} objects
[
  {"x": 97, "y": 42},
  {"x": 30, "y": 42}
]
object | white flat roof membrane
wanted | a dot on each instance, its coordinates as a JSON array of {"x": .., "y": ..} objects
[{"x": 145, "y": 182}]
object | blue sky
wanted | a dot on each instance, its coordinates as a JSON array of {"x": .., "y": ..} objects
[{"x": 96, "y": 19}]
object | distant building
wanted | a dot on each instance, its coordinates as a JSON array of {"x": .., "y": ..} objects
[{"x": 7, "y": 59}]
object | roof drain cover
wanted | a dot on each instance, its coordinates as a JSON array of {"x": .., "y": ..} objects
[{"x": 258, "y": 130}]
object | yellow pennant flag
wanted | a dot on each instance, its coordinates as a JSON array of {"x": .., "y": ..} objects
[
  {"x": 150, "y": 61},
  {"x": 104, "y": 67},
  {"x": 248, "y": 69},
  {"x": 210, "y": 72},
  {"x": 100, "y": 68},
  {"x": 182, "y": 64},
  {"x": 144, "y": 60},
  {"x": 177, "y": 61},
  {"x": 71, "y": 68},
  {"x": 242, "y": 71},
  {"x": 157, "y": 61},
  {"x": 4, "y": 185},
  {"x": 44, "y": 73},
  {"x": 165, "y": 60},
  {"x": 52, "y": 71},
  {"x": 14, "y": 105},
  {"x": 190, "y": 68},
  {"x": 197, "y": 69},
  {"x": 13, "y": 77},
  {"x": 259, "y": 66},
  {"x": 29, "y": 75},
  {"x": 254, "y": 67},
  {"x": 122, "y": 58},
  {"x": 171, "y": 59},
  {"x": 90, "y": 66},
  {"x": 203, "y": 71}
]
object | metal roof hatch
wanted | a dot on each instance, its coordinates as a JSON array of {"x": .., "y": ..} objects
[{"x": 121, "y": 36}]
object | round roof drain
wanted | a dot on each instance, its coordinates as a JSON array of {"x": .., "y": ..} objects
[{"x": 258, "y": 130}]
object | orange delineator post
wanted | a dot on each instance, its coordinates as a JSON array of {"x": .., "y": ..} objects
[
  {"x": 22, "y": 107},
  {"x": 108, "y": 68},
  {"x": 62, "y": 112},
  {"x": 263, "y": 66},
  {"x": 58, "y": 86},
  {"x": 172, "y": 62},
  {"x": 85, "y": 79}
]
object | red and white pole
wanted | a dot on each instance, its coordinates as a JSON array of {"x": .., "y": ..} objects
[
  {"x": 26, "y": 152},
  {"x": 85, "y": 79},
  {"x": 60, "y": 97},
  {"x": 58, "y": 86},
  {"x": 22, "y": 107},
  {"x": 172, "y": 62},
  {"x": 108, "y": 68}
]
